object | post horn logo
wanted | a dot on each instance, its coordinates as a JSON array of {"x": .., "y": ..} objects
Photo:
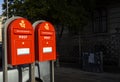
[
  {"x": 46, "y": 26},
  {"x": 22, "y": 24}
]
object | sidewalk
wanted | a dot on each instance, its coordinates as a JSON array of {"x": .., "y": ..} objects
[{"x": 75, "y": 75}]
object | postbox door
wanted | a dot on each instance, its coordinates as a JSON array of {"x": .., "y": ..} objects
[
  {"x": 46, "y": 42},
  {"x": 20, "y": 42}
]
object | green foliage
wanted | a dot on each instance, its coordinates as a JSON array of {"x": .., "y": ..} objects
[{"x": 72, "y": 13}]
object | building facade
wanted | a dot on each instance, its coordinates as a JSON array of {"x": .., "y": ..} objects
[
  {"x": 102, "y": 34},
  {"x": 1, "y": 23}
]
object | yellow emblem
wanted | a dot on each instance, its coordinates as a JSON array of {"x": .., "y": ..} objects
[
  {"x": 22, "y": 24},
  {"x": 46, "y": 26}
]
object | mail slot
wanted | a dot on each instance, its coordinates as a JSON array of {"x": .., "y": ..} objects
[
  {"x": 20, "y": 42},
  {"x": 45, "y": 41}
]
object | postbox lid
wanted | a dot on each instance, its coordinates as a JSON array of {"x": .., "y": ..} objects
[
  {"x": 20, "y": 23},
  {"x": 45, "y": 26}
]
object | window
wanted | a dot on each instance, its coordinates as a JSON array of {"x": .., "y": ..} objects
[{"x": 100, "y": 21}]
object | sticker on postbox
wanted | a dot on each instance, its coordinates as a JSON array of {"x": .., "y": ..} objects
[
  {"x": 45, "y": 42},
  {"x": 20, "y": 42}
]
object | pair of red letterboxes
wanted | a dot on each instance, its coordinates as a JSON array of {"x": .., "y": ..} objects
[{"x": 26, "y": 44}]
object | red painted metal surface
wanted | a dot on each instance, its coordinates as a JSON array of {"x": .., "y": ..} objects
[
  {"x": 20, "y": 42},
  {"x": 45, "y": 42}
]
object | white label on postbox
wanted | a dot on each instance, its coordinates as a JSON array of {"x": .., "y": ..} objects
[
  {"x": 23, "y": 51},
  {"x": 47, "y": 49}
]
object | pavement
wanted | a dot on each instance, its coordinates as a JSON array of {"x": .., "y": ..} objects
[{"x": 66, "y": 74}]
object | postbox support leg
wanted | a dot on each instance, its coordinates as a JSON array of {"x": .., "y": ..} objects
[
  {"x": 4, "y": 57},
  {"x": 5, "y": 73},
  {"x": 52, "y": 71},
  {"x": 20, "y": 74},
  {"x": 32, "y": 72}
]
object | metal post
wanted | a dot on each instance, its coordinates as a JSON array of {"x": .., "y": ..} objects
[
  {"x": 20, "y": 73},
  {"x": 52, "y": 71},
  {"x": 101, "y": 57},
  {"x": 4, "y": 51},
  {"x": 4, "y": 56},
  {"x": 32, "y": 72},
  {"x": 7, "y": 12}
]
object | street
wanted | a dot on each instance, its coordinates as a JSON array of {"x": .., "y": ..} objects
[{"x": 63, "y": 74}]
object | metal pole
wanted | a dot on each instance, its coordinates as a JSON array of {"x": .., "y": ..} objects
[
  {"x": 20, "y": 73},
  {"x": 79, "y": 43},
  {"x": 52, "y": 71},
  {"x": 7, "y": 12},
  {"x": 4, "y": 56},
  {"x": 4, "y": 49},
  {"x": 32, "y": 72},
  {"x": 5, "y": 75}
]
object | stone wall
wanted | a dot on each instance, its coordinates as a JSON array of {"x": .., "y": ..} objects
[
  {"x": 109, "y": 44},
  {"x": 70, "y": 51}
]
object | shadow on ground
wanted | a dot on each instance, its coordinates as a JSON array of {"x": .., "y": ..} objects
[{"x": 66, "y": 74}]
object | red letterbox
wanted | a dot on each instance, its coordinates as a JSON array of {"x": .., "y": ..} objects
[
  {"x": 45, "y": 41},
  {"x": 20, "y": 42}
]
